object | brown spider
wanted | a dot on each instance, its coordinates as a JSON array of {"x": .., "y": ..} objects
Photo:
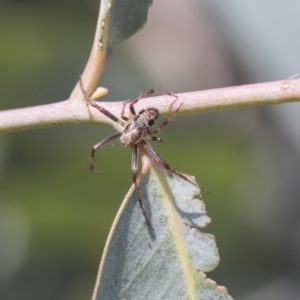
[{"x": 136, "y": 130}]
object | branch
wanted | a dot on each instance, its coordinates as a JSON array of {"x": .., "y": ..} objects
[{"x": 74, "y": 112}]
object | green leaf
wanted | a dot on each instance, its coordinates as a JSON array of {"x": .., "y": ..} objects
[
  {"x": 124, "y": 18},
  {"x": 127, "y": 17},
  {"x": 165, "y": 264}
]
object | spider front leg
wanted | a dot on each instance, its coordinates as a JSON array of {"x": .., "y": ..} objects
[
  {"x": 97, "y": 106},
  {"x": 165, "y": 123},
  {"x": 134, "y": 168},
  {"x": 134, "y": 101},
  {"x": 99, "y": 146},
  {"x": 132, "y": 110}
]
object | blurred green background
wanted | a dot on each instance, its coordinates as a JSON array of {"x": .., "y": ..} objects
[{"x": 55, "y": 214}]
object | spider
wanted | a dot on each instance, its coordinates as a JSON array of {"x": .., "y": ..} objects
[{"x": 135, "y": 133}]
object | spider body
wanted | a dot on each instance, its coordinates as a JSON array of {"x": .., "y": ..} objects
[
  {"x": 135, "y": 133},
  {"x": 139, "y": 127}
]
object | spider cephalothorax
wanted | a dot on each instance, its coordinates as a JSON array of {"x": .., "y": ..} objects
[
  {"x": 139, "y": 127},
  {"x": 135, "y": 133}
]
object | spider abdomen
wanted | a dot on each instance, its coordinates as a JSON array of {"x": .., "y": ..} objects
[
  {"x": 135, "y": 131},
  {"x": 131, "y": 135}
]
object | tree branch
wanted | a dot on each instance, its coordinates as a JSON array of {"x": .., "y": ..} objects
[{"x": 73, "y": 112}]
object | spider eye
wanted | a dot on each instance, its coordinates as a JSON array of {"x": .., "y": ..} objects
[{"x": 150, "y": 122}]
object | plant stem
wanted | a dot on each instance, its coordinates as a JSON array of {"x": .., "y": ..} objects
[{"x": 73, "y": 112}]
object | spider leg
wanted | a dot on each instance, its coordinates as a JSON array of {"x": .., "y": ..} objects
[
  {"x": 134, "y": 101},
  {"x": 99, "y": 146},
  {"x": 134, "y": 167},
  {"x": 154, "y": 138},
  {"x": 123, "y": 111},
  {"x": 165, "y": 123},
  {"x": 162, "y": 162},
  {"x": 97, "y": 106}
]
